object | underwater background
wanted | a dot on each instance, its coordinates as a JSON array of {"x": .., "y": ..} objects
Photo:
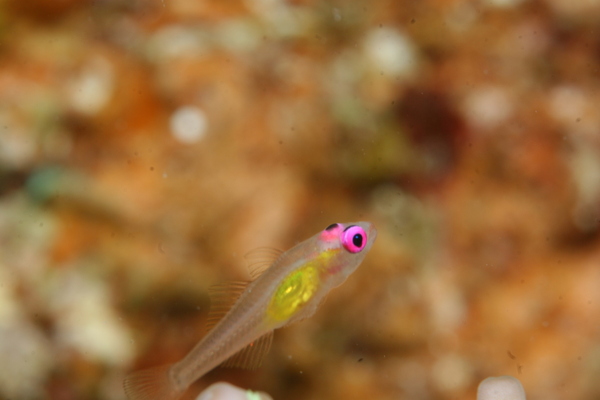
[{"x": 146, "y": 146}]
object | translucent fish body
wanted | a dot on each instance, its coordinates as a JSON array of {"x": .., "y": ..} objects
[{"x": 289, "y": 290}]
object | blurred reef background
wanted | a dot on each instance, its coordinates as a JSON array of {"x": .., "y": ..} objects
[{"x": 147, "y": 145}]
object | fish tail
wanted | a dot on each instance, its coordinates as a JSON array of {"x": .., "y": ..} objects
[{"x": 151, "y": 384}]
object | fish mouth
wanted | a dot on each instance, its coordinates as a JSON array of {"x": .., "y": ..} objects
[{"x": 372, "y": 232}]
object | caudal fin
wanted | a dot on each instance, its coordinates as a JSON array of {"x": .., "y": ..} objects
[{"x": 151, "y": 384}]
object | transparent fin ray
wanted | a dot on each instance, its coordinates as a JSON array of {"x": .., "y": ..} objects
[
  {"x": 260, "y": 259},
  {"x": 251, "y": 356},
  {"x": 222, "y": 298},
  {"x": 151, "y": 384}
]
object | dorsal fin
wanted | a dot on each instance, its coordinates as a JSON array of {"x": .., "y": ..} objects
[
  {"x": 222, "y": 297},
  {"x": 251, "y": 356},
  {"x": 260, "y": 259}
]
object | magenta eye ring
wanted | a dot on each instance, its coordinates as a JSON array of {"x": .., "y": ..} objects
[{"x": 354, "y": 238}]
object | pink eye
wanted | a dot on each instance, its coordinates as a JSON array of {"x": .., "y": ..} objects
[{"x": 354, "y": 238}]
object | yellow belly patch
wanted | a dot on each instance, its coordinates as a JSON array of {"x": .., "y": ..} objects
[{"x": 294, "y": 292}]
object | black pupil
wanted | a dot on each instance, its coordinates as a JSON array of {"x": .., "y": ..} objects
[{"x": 357, "y": 240}]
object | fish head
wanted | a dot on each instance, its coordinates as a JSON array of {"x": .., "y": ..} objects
[
  {"x": 321, "y": 263},
  {"x": 342, "y": 247}
]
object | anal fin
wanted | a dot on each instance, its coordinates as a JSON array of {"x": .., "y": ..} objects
[{"x": 251, "y": 356}]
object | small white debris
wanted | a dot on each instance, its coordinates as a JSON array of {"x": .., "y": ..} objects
[
  {"x": 500, "y": 388},
  {"x": 90, "y": 91},
  {"x": 488, "y": 107},
  {"x": 391, "y": 52},
  {"x": 188, "y": 124}
]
